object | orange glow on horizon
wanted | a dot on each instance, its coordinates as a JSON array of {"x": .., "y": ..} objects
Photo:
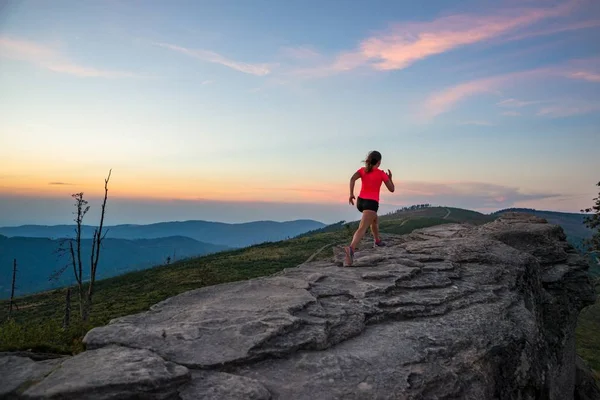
[{"x": 173, "y": 188}]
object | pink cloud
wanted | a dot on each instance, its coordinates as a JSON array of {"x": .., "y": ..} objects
[
  {"x": 406, "y": 43},
  {"x": 211, "y": 56},
  {"x": 586, "y": 76},
  {"x": 52, "y": 59},
  {"x": 445, "y": 99},
  {"x": 413, "y": 42}
]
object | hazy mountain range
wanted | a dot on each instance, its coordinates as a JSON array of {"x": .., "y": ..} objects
[{"x": 232, "y": 235}]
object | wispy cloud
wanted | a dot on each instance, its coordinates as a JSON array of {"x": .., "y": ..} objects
[
  {"x": 300, "y": 52},
  {"x": 511, "y": 113},
  {"x": 516, "y": 103},
  {"x": 467, "y": 194},
  {"x": 260, "y": 69},
  {"x": 585, "y": 75},
  {"x": 403, "y": 44},
  {"x": 476, "y": 122},
  {"x": 207, "y": 82},
  {"x": 60, "y": 183},
  {"x": 586, "y": 69},
  {"x": 589, "y": 24},
  {"x": 53, "y": 59},
  {"x": 569, "y": 109},
  {"x": 442, "y": 101}
]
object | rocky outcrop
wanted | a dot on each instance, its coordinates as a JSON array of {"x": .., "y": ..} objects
[{"x": 446, "y": 312}]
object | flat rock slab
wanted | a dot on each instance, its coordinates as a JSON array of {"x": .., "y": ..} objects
[
  {"x": 213, "y": 325},
  {"x": 426, "y": 354},
  {"x": 109, "y": 373},
  {"x": 210, "y": 385},
  {"x": 18, "y": 373}
]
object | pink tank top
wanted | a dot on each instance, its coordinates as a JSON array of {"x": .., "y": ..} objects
[{"x": 371, "y": 183}]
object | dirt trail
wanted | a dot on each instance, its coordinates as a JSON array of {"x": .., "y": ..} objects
[{"x": 313, "y": 255}]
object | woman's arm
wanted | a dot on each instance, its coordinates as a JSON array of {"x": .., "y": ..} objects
[
  {"x": 353, "y": 180},
  {"x": 389, "y": 183}
]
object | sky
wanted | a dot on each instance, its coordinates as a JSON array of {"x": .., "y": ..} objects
[{"x": 240, "y": 110}]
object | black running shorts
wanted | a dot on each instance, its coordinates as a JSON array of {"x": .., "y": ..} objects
[{"x": 367, "y": 204}]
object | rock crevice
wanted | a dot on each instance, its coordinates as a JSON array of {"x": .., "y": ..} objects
[{"x": 451, "y": 311}]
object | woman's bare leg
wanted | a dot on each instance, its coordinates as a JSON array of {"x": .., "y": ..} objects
[
  {"x": 375, "y": 228},
  {"x": 366, "y": 221}
]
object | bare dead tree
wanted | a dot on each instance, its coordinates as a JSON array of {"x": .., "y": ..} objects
[
  {"x": 72, "y": 248},
  {"x": 12, "y": 291},
  {"x": 96, "y": 245},
  {"x": 82, "y": 208},
  {"x": 67, "y": 315}
]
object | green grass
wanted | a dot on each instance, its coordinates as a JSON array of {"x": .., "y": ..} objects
[
  {"x": 46, "y": 336},
  {"x": 587, "y": 335}
]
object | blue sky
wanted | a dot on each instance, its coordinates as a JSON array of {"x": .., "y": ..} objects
[{"x": 238, "y": 110}]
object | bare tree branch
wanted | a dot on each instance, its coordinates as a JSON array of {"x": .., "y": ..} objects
[
  {"x": 77, "y": 275},
  {"x": 93, "y": 250},
  {"x": 12, "y": 291},
  {"x": 97, "y": 244}
]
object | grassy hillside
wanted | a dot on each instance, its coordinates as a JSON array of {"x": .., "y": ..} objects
[{"x": 447, "y": 214}]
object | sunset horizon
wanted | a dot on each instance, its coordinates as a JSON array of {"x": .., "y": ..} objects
[{"x": 232, "y": 112}]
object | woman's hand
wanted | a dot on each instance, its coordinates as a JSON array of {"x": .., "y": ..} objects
[
  {"x": 389, "y": 174},
  {"x": 351, "y": 199}
]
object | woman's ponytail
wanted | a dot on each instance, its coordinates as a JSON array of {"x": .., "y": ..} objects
[{"x": 372, "y": 159}]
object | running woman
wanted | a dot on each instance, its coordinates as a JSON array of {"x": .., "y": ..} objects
[{"x": 368, "y": 200}]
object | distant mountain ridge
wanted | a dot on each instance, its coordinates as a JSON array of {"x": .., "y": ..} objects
[
  {"x": 37, "y": 259},
  {"x": 219, "y": 233}
]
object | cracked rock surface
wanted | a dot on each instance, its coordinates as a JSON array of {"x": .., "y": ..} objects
[{"x": 446, "y": 312}]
